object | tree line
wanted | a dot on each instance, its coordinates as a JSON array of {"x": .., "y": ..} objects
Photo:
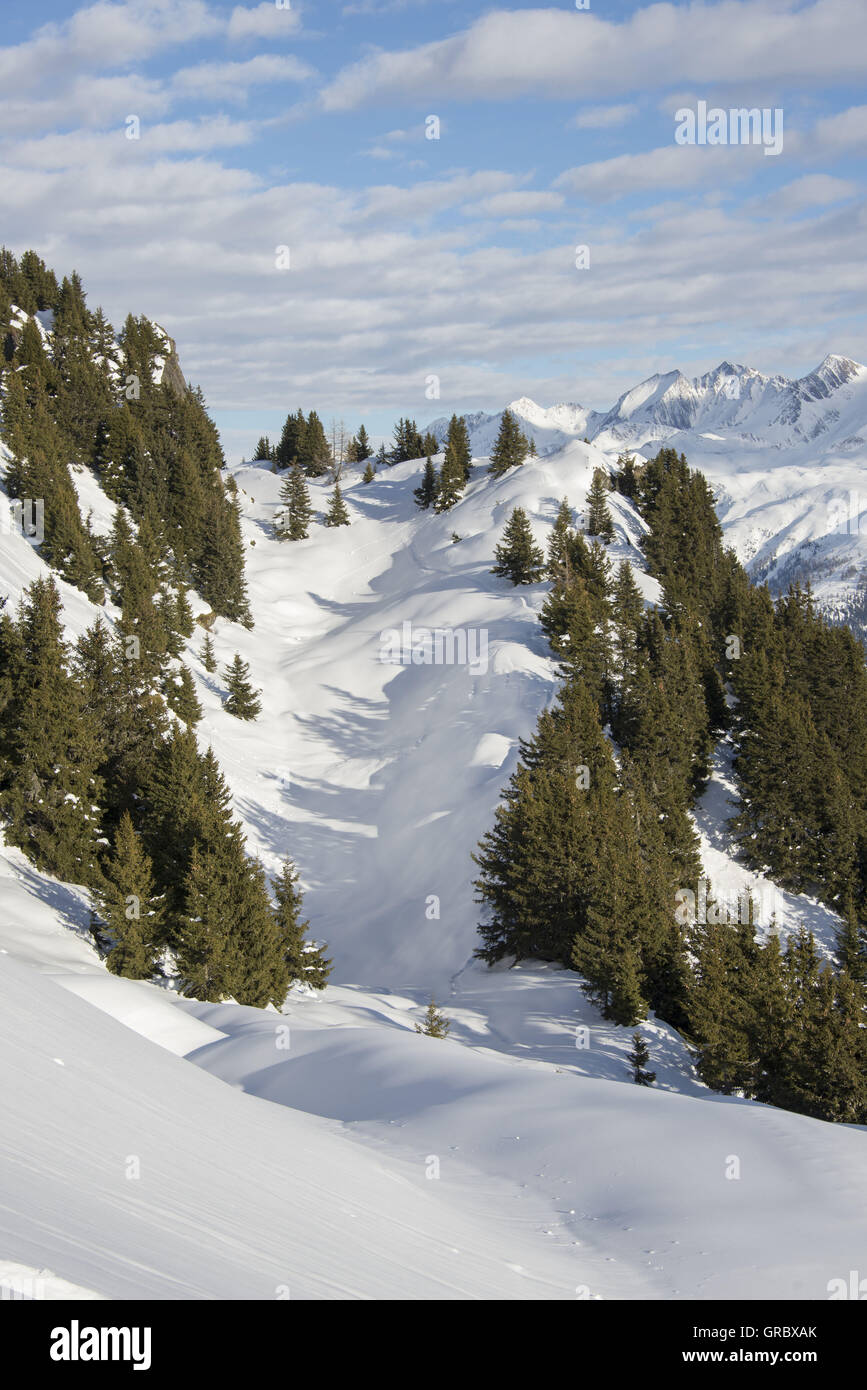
[{"x": 593, "y": 841}]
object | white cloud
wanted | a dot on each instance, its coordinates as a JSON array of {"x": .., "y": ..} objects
[
  {"x": 517, "y": 204},
  {"x": 682, "y": 167},
  {"x": 265, "y": 21},
  {"x": 232, "y": 81},
  {"x": 603, "y": 117},
  {"x": 811, "y": 191},
  {"x": 568, "y": 53}
]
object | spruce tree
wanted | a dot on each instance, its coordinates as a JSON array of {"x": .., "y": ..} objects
[
  {"x": 181, "y": 698},
  {"x": 426, "y": 492},
  {"x": 337, "y": 513},
  {"x": 242, "y": 700},
  {"x": 638, "y": 1059},
  {"x": 306, "y": 962},
  {"x": 599, "y": 522},
  {"x": 518, "y": 557},
  {"x": 558, "y": 562},
  {"x": 50, "y": 793},
  {"x": 369, "y": 471},
  {"x": 510, "y": 448},
  {"x": 209, "y": 655},
  {"x": 435, "y": 1024},
  {"x": 457, "y": 449},
  {"x": 294, "y": 494},
  {"x": 129, "y": 906}
]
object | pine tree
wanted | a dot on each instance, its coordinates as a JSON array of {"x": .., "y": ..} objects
[
  {"x": 369, "y": 471},
  {"x": 242, "y": 700},
  {"x": 298, "y": 513},
  {"x": 292, "y": 440},
  {"x": 536, "y": 861},
  {"x": 209, "y": 655},
  {"x": 337, "y": 513},
  {"x": 50, "y": 790},
  {"x": 450, "y": 482},
  {"x": 558, "y": 564},
  {"x": 426, "y": 492},
  {"x": 638, "y": 1059},
  {"x": 203, "y": 948},
  {"x": 314, "y": 452},
  {"x": 518, "y": 557},
  {"x": 129, "y": 906},
  {"x": 181, "y": 697},
  {"x": 625, "y": 479},
  {"x": 457, "y": 450},
  {"x": 363, "y": 450},
  {"x": 510, "y": 448},
  {"x": 435, "y": 1024},
  {"x": 306, "y": 962},
  {"x": 599, "y": 522}
]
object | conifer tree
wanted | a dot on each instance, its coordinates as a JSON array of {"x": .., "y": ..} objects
[
  {"x": 425, "y": 493},
  {"x": 450, "y": 482},
  {"x": 369, "y": 470},
  {"x": 242, "y": 700},
  {"x": 518, "y": 557},
  {"x": 510, "y": 448},
  {"x": 337, "y": 513},
  {"x": 181, "y": 697},
  {"x": 306, "y": 962},
  {"x": 625, "y": 479},
  {"x": 363, "y": 450},
  {"x": 536, "y": 861},
  {"x": 50, "y": 792},
  {"x": 209, "y": 655},
  {"x": 599, "y": 522},
  {"x": 129, "y": 906},
  {"x": 314, "y": 451},
  {"x": 457, "y": 450},
  {"x": 638, "y": 1059},
  {"x": 298, "y": 512},
  {"x": 559, "y": 569},
  {"x": 203, "y": 948},
  {"x": 435, "y": 1024}
]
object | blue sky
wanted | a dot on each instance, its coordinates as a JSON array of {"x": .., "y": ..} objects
[{"x": 452, "y": 258}]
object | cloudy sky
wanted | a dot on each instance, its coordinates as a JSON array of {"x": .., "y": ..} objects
[{"x": 267, "y": 126}]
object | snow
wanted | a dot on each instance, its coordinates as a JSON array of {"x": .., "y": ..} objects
[{"x": 299, "y": 1152}]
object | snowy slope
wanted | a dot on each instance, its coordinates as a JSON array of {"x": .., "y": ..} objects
[{"x": 306, "y": 1161}]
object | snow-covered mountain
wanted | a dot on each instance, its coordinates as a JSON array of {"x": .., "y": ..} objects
[
  {"x": 787, "y": 460},
  {"x": 333, "y": 1152}
]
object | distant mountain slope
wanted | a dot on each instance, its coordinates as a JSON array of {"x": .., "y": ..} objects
[{"x": 787, "y": 460}]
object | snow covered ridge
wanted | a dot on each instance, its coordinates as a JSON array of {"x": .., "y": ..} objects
[
  {"x": 769, "y": 411},
  {"x": 785, "y": 458}
]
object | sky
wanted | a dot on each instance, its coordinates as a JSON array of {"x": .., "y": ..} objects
[{"x": 403, "y": 207}]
